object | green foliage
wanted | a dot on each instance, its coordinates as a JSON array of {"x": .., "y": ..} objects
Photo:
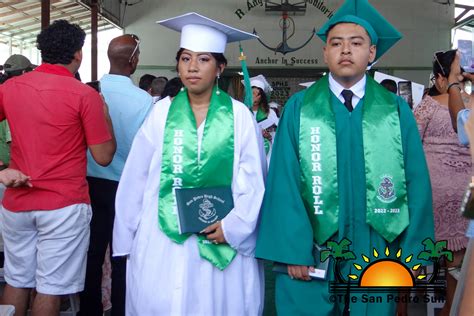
[
  {"x": 339, "y": 251},
  {"x": 325, "y": 255},
  {"x": 434, "y": 251}
]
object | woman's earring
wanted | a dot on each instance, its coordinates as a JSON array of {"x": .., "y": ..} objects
[{"x": 217, "y": 83}]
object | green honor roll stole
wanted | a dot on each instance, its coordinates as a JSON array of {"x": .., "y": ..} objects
[
  {"x": 259, "y": 117},
  {"x": 184, "y": 167},
  {"x": 386, "y": 194}
]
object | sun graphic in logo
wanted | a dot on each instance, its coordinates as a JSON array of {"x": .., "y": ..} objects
[{"x": 386, "y": 272}]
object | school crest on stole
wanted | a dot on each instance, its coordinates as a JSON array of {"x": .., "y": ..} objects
[{"x": 386, "y": 190}]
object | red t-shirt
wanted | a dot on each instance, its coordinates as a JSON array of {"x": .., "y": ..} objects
[{"x": 53, "y": 118}]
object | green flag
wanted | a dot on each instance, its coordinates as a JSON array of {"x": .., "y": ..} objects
[{"x": 248, "y": 100}]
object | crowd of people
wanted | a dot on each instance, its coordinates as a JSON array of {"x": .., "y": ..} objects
[{"x": 347, "y": 163}]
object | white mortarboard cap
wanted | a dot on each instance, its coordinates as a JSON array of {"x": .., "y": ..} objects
[
  {"x": 201, "y": 34},
  {"x": 307, "y": 84},
  {"x": 260, "y": 82}
]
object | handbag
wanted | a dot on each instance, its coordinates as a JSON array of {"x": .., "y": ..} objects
[{"x": 467, "y": 205}]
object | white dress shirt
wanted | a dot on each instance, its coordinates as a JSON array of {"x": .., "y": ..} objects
[{"x": 358, "y": 90}]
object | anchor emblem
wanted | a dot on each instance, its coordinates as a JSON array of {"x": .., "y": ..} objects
[{"x": 286, "y": 22}]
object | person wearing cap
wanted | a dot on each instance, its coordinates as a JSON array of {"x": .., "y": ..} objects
[
  {"x": 14, "y": 66},
  {"x": 347, "y": 163},
  {"x": 54, "y": 119},
  {"x": 202, "y": 138},
  {"x": 17, "y": 65},
  {"x": 265, "y": 116}
]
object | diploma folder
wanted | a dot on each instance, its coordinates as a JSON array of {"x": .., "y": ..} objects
[{"x": 201, "y": 207}]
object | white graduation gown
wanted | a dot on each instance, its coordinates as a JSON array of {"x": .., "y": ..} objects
[
  {"x": 166, "y": 278},
  {"x": 272, "y": 119}
]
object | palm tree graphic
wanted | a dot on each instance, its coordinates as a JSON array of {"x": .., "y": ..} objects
[
  {"x": 434, "y": 252},
  {"x": 339, "y": 252}
]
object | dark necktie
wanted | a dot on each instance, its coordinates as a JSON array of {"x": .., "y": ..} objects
[{"x": 347, "y": 95}]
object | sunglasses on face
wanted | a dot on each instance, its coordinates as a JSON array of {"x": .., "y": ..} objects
[{"x": 137, "y": 41}]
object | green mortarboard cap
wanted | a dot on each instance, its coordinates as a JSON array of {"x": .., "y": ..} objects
[{"x": 361, "y": 12}]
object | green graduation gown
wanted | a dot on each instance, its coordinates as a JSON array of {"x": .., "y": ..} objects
[{"x": 285, "y": 233}]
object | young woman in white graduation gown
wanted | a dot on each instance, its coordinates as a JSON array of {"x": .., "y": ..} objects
[
  {"x": 203, "y": 138},
  {"x": 266, "y": 117}
]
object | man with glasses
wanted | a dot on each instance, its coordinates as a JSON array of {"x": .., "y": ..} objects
[
  {"x": 136, "y": 49},
  {"x": 128, "y": 107}
]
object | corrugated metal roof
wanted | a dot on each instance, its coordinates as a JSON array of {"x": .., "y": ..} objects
[
  {"x": 465, "y": 19},
  {"x": 20, "y": 21}
]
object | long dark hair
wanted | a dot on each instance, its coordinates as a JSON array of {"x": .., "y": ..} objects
[
  {"x": 441, "y": 67},
  {"x": 263, "y": 100}
]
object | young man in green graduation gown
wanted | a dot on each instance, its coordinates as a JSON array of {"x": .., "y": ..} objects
[{"x": 347, "y": 163}]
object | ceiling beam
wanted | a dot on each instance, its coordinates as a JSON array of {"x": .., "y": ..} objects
[
  {"x": 23, "y": 27},
  {"x": 20, "y": 20},
  {"x": 463, "y": 13},
  {"x": 55, "y": 13},
  {"x": 31, "y": 37},
  {"x": 464, "y": 6},
  {"x": 54, "y": 7},
  {"x": 9, "y": 3},
  {"x": 25, "y": 9},
  {"x": 45, "y": 13},
  {"x": 464, "y": 21}
]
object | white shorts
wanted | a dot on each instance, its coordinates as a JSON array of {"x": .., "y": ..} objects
[
  {"x": 2, "y": 192},
  {"x": 47, "y": 249}
]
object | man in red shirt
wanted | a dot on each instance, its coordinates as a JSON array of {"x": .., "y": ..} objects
[{"x": 54, "y": 119}]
